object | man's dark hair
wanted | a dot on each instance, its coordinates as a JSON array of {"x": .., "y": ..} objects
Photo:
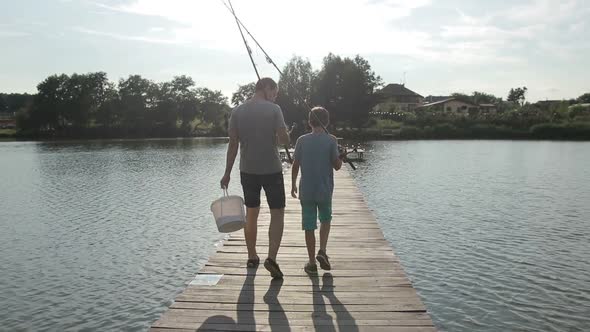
[
  {"x": 321, "y": 114},
  {"x": 266, "y": 82}
]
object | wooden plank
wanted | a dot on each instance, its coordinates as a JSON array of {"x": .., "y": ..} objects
[
  {"x": 214, "y": 307},
  {"x": 367, "y": 289},
  {"x": 266, "y": 327},
  {"x": 259, "y": 315}
]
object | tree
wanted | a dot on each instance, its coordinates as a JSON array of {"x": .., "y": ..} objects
[
  {"x": 584, "y": 99},
  {"x": 243, "y": 93},
  {"x": 295, "y": 87},
  {"x": 137, "y": 98},
  {"x": 484, "y": 98},
  {"x": 85, "y": 94},
  {"x": 214, "y": 109},
  {"x": 185, "y": 97},
  {"x": 517, "y": 95},
  {"x": 3, "y": 105},
  {"x": 106, "y": 114},
  {"x": 462, "y": 97},
  {"x": 50, "y": 101},
  {"x": 345, "y": 87},
  {"x": 12, "y": 102}
]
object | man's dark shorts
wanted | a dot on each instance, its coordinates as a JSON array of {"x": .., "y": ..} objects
[{"x": 273, "y": 185}]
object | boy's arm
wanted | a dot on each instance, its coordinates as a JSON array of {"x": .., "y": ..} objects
[
  {"x": 294, "y": 174},
  {"x": 337, "y": 164},
  {"x": 336, "y": 160},
  {"x": 295, "y": 168}
]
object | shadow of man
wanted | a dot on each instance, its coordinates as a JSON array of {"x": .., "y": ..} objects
[
  {"x": 344, "y": 319},
  {"x": 277, "y": 318},
  {"x": 247, "y": 300},
  {"x": 244, "y": 310}
]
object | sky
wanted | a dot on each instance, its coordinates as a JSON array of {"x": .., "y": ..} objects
[{"x": 439, "y": 46}]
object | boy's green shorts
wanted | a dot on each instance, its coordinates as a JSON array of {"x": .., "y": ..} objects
[{"x": 311, "y": 210}]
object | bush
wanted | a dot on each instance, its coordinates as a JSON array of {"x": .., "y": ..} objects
[
  {"x": 410, "y": 132},
  {"x": 446, "y": 130},
  {"x": 577, "y": 131}
]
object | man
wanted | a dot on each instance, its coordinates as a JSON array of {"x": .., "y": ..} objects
[{"x": 255, "y": 127}]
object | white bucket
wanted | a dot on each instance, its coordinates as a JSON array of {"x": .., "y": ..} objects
[{"x": 229, "y": 213}]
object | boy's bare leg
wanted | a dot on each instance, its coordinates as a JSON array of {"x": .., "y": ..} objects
[
  {"x": 251, "y": 230},
  {"x": 324, "y": 232},
  {"x": 275, "y": 232},
  {"x": 310, "y": 243}
]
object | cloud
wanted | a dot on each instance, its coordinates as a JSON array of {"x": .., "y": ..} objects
[
  {"x": 288, "y": 26},
  {"x": 12, "y": 33},
  {"x": 356, "y": 27},
  {"x": 126, "y": 37}
]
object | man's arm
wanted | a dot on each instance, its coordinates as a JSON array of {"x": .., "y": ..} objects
[
  {"x": 294, "y": 173},
  {"x": 281, "y": 128},
  {"x": 232, "y": 152},
  {"x": 283, "y": 136}
]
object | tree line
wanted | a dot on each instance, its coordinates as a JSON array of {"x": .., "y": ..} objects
[
  {"x": 81, "y": 105},
  {"x": 89, "y": 105}
]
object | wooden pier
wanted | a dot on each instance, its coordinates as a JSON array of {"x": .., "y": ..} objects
[{"x": 367, "y": 289}]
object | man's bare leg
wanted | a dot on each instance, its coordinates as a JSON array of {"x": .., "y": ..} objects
[
  {"x": 251, "y": 230},
  {"x": 275, "y": 232}
]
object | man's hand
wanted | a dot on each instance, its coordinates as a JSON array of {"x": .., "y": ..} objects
[
  {"x": 225, "y": 181},
  {"x": 294, "y": 191}
]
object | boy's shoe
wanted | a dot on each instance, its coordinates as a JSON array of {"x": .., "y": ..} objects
[
  {"x": 253, "y": 262},
  {"x": 311, "y": 268},
  {"x": 273, "y": 268},
  {"x": 324, "y": 260}
]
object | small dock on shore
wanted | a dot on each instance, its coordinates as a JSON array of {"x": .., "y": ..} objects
[{"x": 367, "y": 289}]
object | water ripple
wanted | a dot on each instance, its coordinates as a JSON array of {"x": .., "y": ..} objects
[{"x": 493, "y": 239}]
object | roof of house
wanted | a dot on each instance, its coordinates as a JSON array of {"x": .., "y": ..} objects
[
  {"x": 432, "y": 99},
  {"x": 394, "y": 89},
  {"x": 487, "y": 105},
  {"x": 441, "y": 102}
]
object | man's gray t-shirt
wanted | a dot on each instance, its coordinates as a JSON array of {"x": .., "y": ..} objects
[
  {"x": 316, "y": 154},
  {"x": 257, "y": 122}
]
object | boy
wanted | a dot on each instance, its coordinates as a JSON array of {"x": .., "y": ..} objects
[{"x": 317, "y": 154}]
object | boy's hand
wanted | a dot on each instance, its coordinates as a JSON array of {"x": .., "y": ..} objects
[
  {"x": 342, "y": 152},
  {"x": 294, "y": 191}
]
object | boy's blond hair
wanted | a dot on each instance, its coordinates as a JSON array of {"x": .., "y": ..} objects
[{"x": 321, "y": 114}]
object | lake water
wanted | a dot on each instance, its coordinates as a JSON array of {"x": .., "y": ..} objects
[{"x": 102, "y": 235}]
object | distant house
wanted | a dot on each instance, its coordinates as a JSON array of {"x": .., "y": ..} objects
[
  {"x": 451, "y": 106},
  {"x": 488, "y": 109},
  {"x": 397, "y": 97},
  {"x": 433, "y": 99},
  {"x": 7, "y": 120}
]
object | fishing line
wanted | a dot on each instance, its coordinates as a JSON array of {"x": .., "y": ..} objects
[{"x": 281, "y": 75}]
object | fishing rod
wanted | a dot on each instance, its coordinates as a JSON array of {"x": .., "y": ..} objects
[
  {"x": 270, "y": 60},
  {"x": 231, "y": 9}
]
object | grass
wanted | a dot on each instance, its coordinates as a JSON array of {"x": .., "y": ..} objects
[{"x": 7, "y": 132}]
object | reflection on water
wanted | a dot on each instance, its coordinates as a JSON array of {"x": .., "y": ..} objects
[
  {"x": 101, "y": 235},
  {"x": 495, "y": 235}
]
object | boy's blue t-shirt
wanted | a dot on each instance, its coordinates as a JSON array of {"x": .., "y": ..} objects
[{"x": 316, "y": 154}]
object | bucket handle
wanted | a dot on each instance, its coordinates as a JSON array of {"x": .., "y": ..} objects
[{"x": 225, "y": 194}]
